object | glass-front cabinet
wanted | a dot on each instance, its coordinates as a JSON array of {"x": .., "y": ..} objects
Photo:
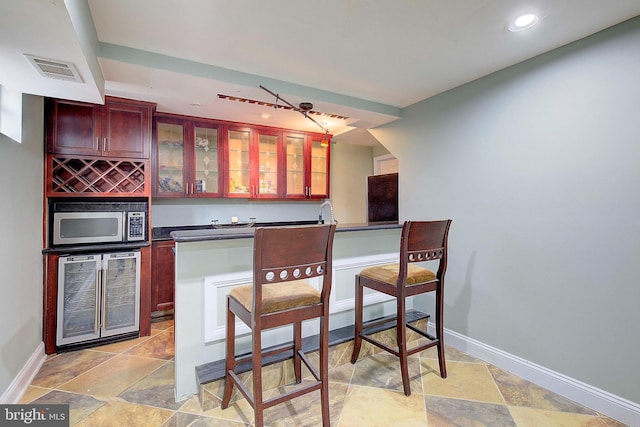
[
  {"x": 295, "y": 166},
  {"x": 238, "y": 162},
  {"x": 253, "y": 163},
  {"x": 307, "y": 166},
  {"x": 170, "y": 159},
  {"x": 187, "y": 159},
  {"x": 319, "y": 180},
  {"x": 268, "y": 165},
  {"x": 208, "y": 158}
]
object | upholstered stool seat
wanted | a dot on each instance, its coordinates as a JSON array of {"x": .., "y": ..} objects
[
  {"x": 421, "y": 241},
  {"x": 389, "y": 274},
  {"x": 278, "y": 296}
]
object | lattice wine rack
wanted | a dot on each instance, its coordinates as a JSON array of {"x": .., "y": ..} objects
[{"x": 87, "y": 175}]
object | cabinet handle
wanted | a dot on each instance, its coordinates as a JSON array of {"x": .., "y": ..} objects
[
  {"x": 104, "y": 144},
  {"x": 98, "y": 285}
]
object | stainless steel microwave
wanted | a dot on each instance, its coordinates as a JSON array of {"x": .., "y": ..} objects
[{"x": 76, "y": 223}]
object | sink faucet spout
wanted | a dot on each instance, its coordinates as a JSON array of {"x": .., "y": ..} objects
[{"x": 322, "y": 206}]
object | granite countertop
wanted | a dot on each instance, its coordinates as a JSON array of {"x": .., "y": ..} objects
[
  {"x": 164, "y": 233},
  {"x": 200, "y": 233}
]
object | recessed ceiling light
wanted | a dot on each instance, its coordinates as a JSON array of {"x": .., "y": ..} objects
[
  {"x": 523, "y": 22},
  {"x": 265, "y": 116}
]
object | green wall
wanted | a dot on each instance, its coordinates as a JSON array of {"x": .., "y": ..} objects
[
  {"x": 21, "y": 176},
  {"x": 538, "y": 166}
]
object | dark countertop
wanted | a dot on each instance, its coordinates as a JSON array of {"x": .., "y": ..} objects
[
  {"x": 164, "y": 233},
  {"x": 191, "y": 234},
  {"x": 96, "y": 248}
]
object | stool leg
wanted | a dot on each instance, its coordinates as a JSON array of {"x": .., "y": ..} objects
[
  {"x": 256, "y": 357},
  {"x": 401, "y": 334},
  {"x": 297, "y": 346},
  {"x": 230, "y": 363},
  {"x": 440, "y": 330},
  {"x": 357, "y": 339},
  {"x": 324, "y": 368}
]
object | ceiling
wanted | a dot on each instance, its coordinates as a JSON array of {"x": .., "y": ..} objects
[{"x": 361, "y": 60}]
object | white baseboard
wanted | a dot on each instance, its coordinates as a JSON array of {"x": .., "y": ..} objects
[
  {"x": 19, "y": 385},
  {"x": 601, "y": 401}
]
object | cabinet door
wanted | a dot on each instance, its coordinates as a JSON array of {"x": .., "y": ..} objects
[
  {"x": 267, "y": 184},
  {"x": 72, "y": 127},
  {"x": 162, "y": 277},
  {"x": 295, "y": 166},
  {"x": 120, "y": 293},
  {"x": 238, "y": 162},
  {"x": 78, "y": 298},
  {"x": 126, "y": 130},
  {"x": 206, "y": 161},
  {"x": 319, "y": 168},
  {"x": 170, "y": 165}
]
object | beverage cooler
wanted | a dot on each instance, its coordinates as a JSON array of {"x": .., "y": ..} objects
[{"x": 98, "y": 296}]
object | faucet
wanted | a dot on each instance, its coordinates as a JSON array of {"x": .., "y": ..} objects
[{"x": 320, "y": 218}]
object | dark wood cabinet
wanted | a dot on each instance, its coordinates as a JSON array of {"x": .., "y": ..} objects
[
  {"x": 162, "y": 278},
  {"x": 120, "y": 128},
  {"x": 186, "y": 158},
  {"x": 208, "y": 158},
  {"x": 50, "y": 297},
  {"x": 306, "y": 166},
  {"x": 98, "y": 150}
]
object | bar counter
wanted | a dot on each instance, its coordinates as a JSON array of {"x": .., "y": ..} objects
[{"x": 212, "y": 261}]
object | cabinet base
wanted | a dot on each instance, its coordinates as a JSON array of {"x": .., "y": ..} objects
[{"x": 97, "y": 342}]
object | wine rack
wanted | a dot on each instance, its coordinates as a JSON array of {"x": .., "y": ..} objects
[{"x": 73, "y": 175}]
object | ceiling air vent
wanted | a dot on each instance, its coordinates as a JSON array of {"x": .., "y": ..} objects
[{"x": 55, "y": 69}]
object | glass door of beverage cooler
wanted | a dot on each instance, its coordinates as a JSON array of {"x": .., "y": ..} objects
[
  {"x": 120, "y": 293},
  {"x": 78, "y": 298},
  {"x": 98, "y": 296}
]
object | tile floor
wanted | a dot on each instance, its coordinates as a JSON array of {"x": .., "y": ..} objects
[{"x": 131, "y": 384}]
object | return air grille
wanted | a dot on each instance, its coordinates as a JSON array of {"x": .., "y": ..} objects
[{"x": 54, "y": 69}]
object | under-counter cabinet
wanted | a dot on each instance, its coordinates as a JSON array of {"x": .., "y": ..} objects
[
  {"x": 162, "y": 278},
  {"x": 186, "y": 158},
  {"x": 119, "y": 128},
  {"x": 50, "y": 297}
]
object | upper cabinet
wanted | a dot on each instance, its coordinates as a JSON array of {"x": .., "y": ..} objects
[
  {"x": 97, "y": 150},
  {"x": 119, "y": 128},
  {"x": 208, "y": 158},
  {"x": 307, "y": 166},
  {"x": 254, "y": 162},
  {"x": 319, "y": 153},
  {"x": 238, "y": 179},
  {"x": 187, "y": 158}
]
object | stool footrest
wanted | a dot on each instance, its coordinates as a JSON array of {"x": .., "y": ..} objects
[{"x": 292, "y": 394}]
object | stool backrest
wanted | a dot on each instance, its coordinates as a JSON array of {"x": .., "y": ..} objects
[
  {"x": 424, "y": 241},
  {"x": 283, "y": 254}
]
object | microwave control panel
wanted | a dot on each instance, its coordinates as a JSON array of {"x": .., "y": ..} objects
[{"x": 135, "y": 226}]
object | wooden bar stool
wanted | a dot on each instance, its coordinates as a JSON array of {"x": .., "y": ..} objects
[
  {"x": 420, "y": 241},
  {"x": 284, "y": 258}
]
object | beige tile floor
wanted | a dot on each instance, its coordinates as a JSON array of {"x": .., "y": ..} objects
[{"x": 131, "y": 384}]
